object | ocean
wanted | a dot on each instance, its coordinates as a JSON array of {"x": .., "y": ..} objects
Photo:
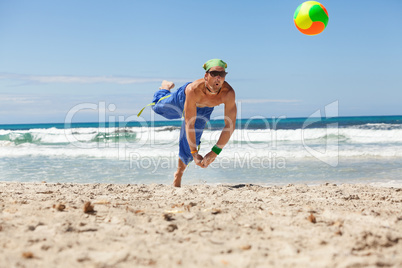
[{"x": 264, "y": 151}]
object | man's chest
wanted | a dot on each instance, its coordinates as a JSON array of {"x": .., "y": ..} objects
[{"x": 209, "y": 102}]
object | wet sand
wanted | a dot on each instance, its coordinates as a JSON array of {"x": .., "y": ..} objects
[{"x": 116, "y": 225}]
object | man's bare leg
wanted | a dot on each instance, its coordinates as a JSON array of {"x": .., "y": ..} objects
[
  {"x": 167, "y": 85},
  {"x": 179, "y": 173}
]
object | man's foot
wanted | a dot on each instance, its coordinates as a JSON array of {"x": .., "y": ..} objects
[
  {"x": 167, "y": 85},
  {"x": 177, "y": 179}
]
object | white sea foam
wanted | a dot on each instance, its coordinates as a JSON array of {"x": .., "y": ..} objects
[
  {"x": 388, "y": 184},
  {"x": 371, "y": 141}
]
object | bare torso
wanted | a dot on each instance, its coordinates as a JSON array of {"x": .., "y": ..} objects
[{"x": 204, "y": 98}]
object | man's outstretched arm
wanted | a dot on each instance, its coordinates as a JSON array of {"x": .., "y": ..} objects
[
  {"x": 190, "y": 115},
  {"x": 230, "y": 125}
]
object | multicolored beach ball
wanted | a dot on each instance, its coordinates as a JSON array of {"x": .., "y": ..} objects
[{"x": 311, "y": 18}]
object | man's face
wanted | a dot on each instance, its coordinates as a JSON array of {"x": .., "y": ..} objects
[{"x": 214, "y": 78}]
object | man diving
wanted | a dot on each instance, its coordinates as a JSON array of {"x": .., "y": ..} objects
[{"x": 196, "y": 101}]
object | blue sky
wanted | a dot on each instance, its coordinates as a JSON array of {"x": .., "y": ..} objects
[{"x": 57, "y": 55}]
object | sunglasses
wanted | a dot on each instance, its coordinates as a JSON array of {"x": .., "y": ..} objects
[{"x": 216, "y": 73}]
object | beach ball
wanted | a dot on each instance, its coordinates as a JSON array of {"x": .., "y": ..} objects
[{"x": 311, "y": 18}]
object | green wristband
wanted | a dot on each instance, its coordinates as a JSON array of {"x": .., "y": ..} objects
[{"x": 216, "y": 149}]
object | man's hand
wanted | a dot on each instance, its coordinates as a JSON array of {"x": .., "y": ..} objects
[
  {"x": 208, "y": 159},
  {"x": 198, "y": 159}
]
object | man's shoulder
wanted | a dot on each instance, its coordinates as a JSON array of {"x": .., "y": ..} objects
[
  {"x": 197, "y": 83},
  {"x": 195, "y": 87},
  {"x": 228, "y": 91},
  {"x": 227, "y": 86}
]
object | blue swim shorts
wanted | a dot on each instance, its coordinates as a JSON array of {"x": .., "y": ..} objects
[{"x": 171, "y": 106}]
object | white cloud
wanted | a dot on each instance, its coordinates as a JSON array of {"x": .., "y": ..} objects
[
  {"x": 91, "y": 79},
  {"x": 16, "y": 99},
  {"x": 71, "y": 79},
  {"x": 267, "y": 101}
]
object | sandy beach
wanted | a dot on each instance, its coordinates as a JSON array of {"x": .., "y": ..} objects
[{"x": 120, "y": 225}]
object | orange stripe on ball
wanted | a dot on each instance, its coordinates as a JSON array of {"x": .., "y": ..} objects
[
  {"x": 325, "y": 10},
  {"x": 316, "y": 28}
]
